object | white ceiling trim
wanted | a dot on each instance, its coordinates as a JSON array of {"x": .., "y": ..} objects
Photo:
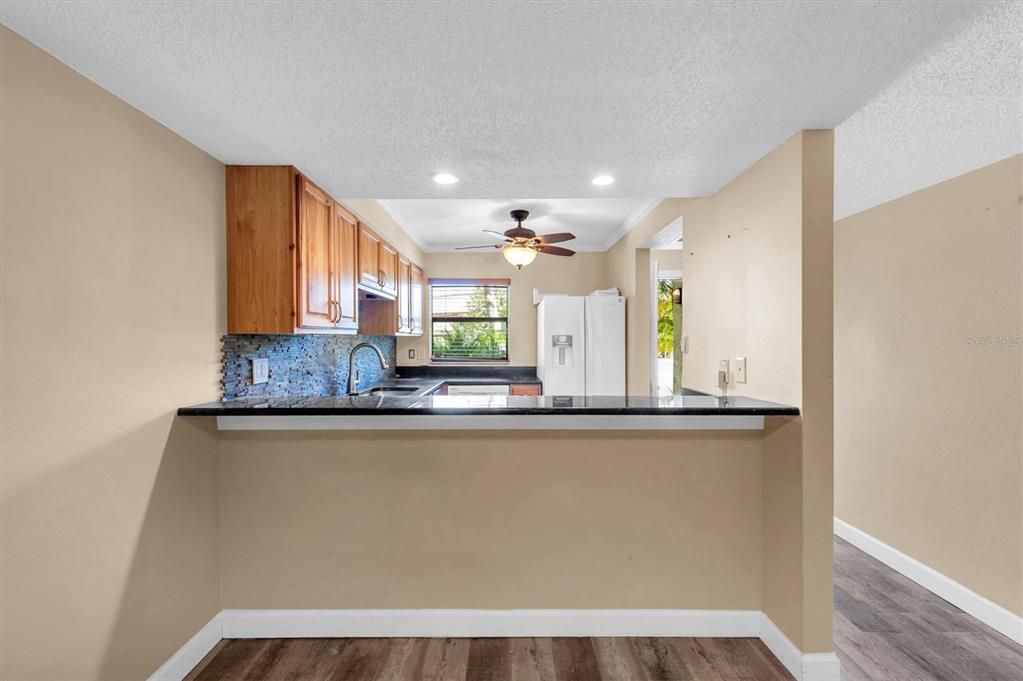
[
  {"x": 396, "y": 215},
  {"x": 669, "y": 238},
  {"x": 634, "y": 219}
]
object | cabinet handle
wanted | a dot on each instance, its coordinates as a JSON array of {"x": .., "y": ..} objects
[
  {"x": 382, "y": 278},
  {"x": 335, "y": 318}
]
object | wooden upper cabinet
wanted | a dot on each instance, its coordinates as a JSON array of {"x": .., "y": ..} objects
[
  {"x": 318, "y": 248},
  {"x": 297, "y": 259},
  {"x": 378, "y": 263},
  {"x": 347, "y": 295},
  {"x": 369, "y": 257},
  {"x": 261, "y": 264},
  {"x": 404, "y": 285},
  {"x": 292, "y": 255},
  {"x": 416, "y": 300},
  {"x": 388, "y": 269}
]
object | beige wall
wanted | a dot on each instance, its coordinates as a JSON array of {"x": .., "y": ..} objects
[
  {"x": 667, "y": 260},
  {"x": 628, "y": 267},
  {"x": 112, "y": 306},
  {"x": 757, "y": 269},
  {"x": 578, "y": 274},
  {"x": 818, "y": 388},
  {"x": 743, "y": 284},
  {"x": 509, "y": 520},
  {"x": 927, "y": 377},
  {"x": 491, "y": 520}
]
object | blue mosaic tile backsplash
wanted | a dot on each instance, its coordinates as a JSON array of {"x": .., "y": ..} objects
[{"x": 314, "y": 365}]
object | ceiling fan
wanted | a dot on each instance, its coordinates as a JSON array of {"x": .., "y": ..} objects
[{"x": 520, "y": 244}]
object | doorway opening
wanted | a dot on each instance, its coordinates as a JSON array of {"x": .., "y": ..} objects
[{"x": 668, "y": 336}]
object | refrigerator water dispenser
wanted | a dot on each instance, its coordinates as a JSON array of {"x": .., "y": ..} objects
[{"x": 562, "y": 345}]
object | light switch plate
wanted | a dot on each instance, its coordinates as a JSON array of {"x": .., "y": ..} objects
[
  {"x": 411, "y": 353},
  {"x": 260, "y": 370},
  {"x": 740, "y": 369},
  {"x": 723, "y": 378}
]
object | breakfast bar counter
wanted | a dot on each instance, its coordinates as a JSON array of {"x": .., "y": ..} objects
[{"x": 473, "y": 412}]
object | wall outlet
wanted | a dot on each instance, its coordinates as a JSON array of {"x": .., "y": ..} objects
[
  {"x": 740, "y": 369},
  {"x": 260, "y": 370}
]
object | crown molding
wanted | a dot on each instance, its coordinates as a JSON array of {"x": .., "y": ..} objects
[
  {"x": 637, "y": 215},
  {"x": 396, "y": 215}
]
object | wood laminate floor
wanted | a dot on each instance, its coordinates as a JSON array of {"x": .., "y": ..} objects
[
  {"x": 887, "y": 628},
  {"x": 491, "y": 659}
]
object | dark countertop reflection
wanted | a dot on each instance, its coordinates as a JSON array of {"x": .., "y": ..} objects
[{"x": 425, "y": 404}]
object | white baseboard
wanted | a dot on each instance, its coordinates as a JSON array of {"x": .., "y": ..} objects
[
  {"x": 511, "y": 623},
  {"x": 988, "y": 612},
  {"x": 803, "y": 667},
  {"x": 472, "y": 623},
  {"x": 195, "y": 649}
]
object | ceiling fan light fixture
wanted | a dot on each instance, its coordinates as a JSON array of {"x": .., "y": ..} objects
[
  {"x": 518, "y": 255},
  {"x": 445, "y": 178}
]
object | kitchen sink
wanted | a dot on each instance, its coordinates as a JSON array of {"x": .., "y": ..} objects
[{"x": 390, "y": 390}]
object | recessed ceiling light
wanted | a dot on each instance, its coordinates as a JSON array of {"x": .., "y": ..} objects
[
  {"x": 445, "y": 178},
  {"x": 603, "y": 180}
]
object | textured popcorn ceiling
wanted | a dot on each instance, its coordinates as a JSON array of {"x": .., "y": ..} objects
[
  {"x": 518, "y": 99},
  {"x": 959, "y": 108}
]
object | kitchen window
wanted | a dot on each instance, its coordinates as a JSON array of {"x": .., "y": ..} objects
[{"x": 469, "y": 320}]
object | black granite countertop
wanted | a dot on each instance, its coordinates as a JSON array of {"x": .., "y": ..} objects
[{"x": 426, "y": 404}]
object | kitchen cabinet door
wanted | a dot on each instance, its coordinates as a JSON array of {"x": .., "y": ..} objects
[
  {"x": 404, "y": 289},
  {"x": 316, "y": 248},
  {"x": 369, "y": 257},
  {"x": 346, "y": 263},
  {"x": 416, "y": 304},
  {"x": 388, "y": 265}
]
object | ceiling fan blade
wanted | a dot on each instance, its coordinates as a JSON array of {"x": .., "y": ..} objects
[
  {"x": 555, "y": 250},
  {"x": 555, "y": 238},
  {"x": 497, "y": 234},
  {"x": 465, "y": 248}
]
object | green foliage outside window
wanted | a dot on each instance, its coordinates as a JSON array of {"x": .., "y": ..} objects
[
  {"x": 469, "y": 322},
  {"x": 665, "y": 318}
]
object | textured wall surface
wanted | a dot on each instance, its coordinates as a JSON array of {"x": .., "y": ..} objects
[
  {"x": 313, "y": 365},
  {"x": 627, "y": 265},
  {"x": 113, "y": 300},
  {"x": 448, "y": 519},
  {"x": 928, "y": 353},
  {"x": 758, "y": 280}
]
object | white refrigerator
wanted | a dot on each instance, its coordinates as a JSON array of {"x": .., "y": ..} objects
[{"x": 581, "y": 345}]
